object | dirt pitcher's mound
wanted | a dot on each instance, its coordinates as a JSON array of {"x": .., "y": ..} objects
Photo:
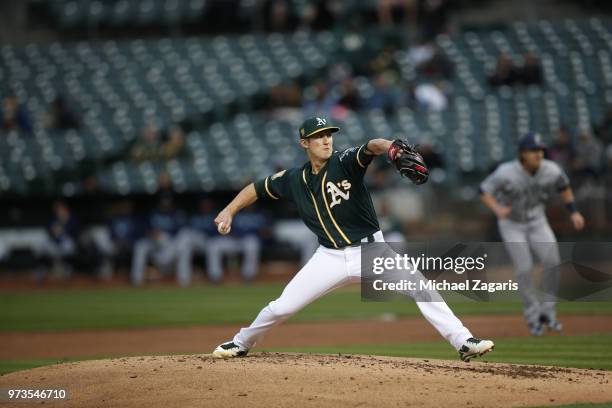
[{"x": 290, "y": 380}]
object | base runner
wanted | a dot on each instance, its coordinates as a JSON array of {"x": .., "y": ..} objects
[
  {"x": 516, "y": 192},
  {"x": 333, "y": 201}
]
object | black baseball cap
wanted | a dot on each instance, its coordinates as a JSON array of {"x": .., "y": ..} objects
[
  {"x": 314, "y": 125},
  {"x": 531, "y": 141}
]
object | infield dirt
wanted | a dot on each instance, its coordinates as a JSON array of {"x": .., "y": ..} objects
[{"x": 296, "y": 380}]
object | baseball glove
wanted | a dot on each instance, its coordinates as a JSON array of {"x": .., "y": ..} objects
[{"x": 408, "y": 161}]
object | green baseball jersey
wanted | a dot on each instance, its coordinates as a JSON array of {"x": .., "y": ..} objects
[{"x": 334, "y": 203}]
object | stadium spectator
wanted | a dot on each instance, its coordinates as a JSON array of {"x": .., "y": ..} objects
[
  {"x": 318, "y": 100},
  {"x": 174, "y": 146},
  {"x": 589, "y": 155},
  {"x": 317, "y": 15},
  {"x": 349, "y": 101},
  {"x": 531, "y": 71},
  {"x": 13, "y": 116},
  {"x": 384, "y": 63},
  {"x": 60, "y": 116},
  {"x": 160, "y": 244},
  {"x": 562, "y": 150},
  {"x": 279, "y": 15},
  {"x": 430, "y": 61},
  {"x": 60, "y": 245},
  {"x": 604, "y": 129},
  {"x": 408, "y": 97},
  {"x": 341, "y": 12},
  {"x": 509, "y": 74},
  {"x": 431, "y": 96},
  {"x": 384, "y": 95},
  {"x": 420, "y": 53},
  {"x": 338, "y": 72},
  {"x": 436, "y": 66},
  {"x": 148, "y": 146},
  {"x": 432, "y": 17},
  {"x": 396, "y": 11},
  {"x": 505, "y": 72},
  {"x": 285, "y": 96},
  {"x": 164, "y": 184}
]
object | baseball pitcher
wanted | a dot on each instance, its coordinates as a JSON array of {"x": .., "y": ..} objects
[
  {"x": 333, "y": 201},
  {"x": 517, "y": 192}
]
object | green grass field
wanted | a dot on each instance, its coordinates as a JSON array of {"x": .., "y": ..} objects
[{"x": 148, "y": 307}]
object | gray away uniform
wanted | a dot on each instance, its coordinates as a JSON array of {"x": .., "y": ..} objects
[{"x": 526, "y": 230}]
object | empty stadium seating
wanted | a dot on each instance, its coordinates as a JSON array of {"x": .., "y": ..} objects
[
  {"x": 68, "y": 14},
  {"x": 119, "y": 86}
]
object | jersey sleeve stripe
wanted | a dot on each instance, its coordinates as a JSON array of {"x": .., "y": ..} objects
[
  {"x": 329, "y": 210},
  {"x": 268, "y": 190},
  {"x": 314, "y": 202},
  {"x": 357, "y": 156}
]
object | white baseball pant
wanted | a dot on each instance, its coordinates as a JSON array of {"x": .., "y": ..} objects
[{"x": 329, "y": 269}]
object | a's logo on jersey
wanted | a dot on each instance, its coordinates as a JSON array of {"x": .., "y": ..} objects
[
  {"x": 339, "y": 191},
  {"x": 321, "y": 122}
]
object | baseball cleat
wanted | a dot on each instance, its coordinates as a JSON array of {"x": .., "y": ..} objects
[
  {"x": 553, "y": 325},
  {"x": 536, "y": 329},
  {"x": 474, "y": 348},
  {"x": 229, "y": 350}
]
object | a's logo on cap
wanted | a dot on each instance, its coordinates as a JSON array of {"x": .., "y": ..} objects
[
  {"x": 321, "y": 122},
  {"x": 537, "y": 139},
  {"x": 302, "y": 132}
]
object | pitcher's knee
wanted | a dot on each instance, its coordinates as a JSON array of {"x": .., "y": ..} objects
[{"x": 283, "y": 309}]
